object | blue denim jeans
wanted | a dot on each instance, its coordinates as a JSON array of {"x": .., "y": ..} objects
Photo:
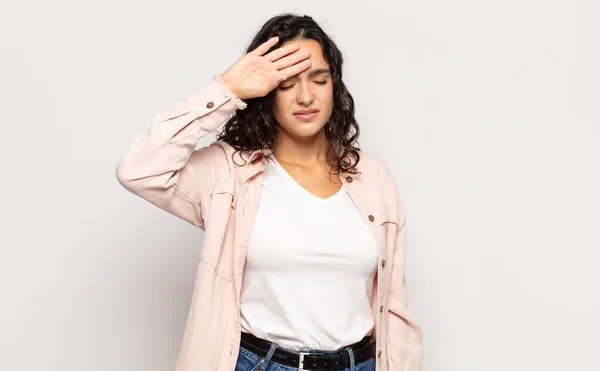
[{"x": 250, "y": 361}]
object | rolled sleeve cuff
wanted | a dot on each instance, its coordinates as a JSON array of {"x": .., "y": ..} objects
[{"x": 239, "y": 104}]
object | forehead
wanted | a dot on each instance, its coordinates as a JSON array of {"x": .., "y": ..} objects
[{"x": 316, "y": 52}]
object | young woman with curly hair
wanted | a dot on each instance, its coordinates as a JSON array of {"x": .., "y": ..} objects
[{"x": 303, "y": 261}]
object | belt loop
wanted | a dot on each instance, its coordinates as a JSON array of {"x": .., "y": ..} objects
[
  {"x": 351, "y": 353},
  {"x": 265, "y": 361}
]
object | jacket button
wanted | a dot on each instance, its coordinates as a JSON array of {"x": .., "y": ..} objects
[
  {"x": 379, "y": 354},
  {"x": 381, "y": 309},
  {"x": 210, "y": 105},
  {"x": 349, "y": 179},
  {"x": 383, "y": 263},
  {"x": 371, "y": 218}
]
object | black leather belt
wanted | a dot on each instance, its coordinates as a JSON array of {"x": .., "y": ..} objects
[{"x": 363, "y": 350}]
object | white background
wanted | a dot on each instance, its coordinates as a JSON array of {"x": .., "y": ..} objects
[{"x": 485, "y": 111}]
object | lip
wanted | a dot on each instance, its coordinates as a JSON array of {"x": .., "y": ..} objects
[{"x": 306, "y": 114}]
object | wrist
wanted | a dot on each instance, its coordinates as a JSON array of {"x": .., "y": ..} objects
[
  {"x": 228, "y": 81},
  {"x": 226, "y": 90}
]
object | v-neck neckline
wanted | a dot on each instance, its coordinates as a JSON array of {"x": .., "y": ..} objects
[{"x": 281, "y": 170}]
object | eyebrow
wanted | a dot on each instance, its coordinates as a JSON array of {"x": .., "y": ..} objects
[
  {"x": 318, "y": 71},
  {"x": 312, "y": 73}
]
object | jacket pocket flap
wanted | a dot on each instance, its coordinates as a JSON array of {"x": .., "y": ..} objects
[
  {"x": 386, "y": 214},
  {"x": 224, "y": 186}
]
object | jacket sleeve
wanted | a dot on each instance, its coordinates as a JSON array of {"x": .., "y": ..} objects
[
  {"x": 404, "y": 335},
  {"x": 162, "y": 165}
]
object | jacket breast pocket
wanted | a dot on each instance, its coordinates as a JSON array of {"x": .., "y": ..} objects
[
  {"x": 386, "y": 224},
  {"x": 385, "y": 214},
  {"x": 216, "y": 247}
]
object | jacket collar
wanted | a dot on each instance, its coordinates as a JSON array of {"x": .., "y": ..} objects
[{"x": 251, "y": 163}]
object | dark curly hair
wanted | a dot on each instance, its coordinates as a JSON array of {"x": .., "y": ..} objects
[{"x": 255, "y": 127}]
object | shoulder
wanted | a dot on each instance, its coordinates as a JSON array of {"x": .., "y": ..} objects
[
  {"x": 377, "y": 175},
  {"x": 373, "y": 168}
]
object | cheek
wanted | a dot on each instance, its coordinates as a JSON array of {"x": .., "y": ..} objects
[
  {"x": 283, "y": 105},
  {"x": 327, "y": 98}
]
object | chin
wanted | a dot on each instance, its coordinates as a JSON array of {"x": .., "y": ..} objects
[{"x": 305, "y": 129}]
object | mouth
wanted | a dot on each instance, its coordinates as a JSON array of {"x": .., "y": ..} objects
[{"x": 306, "y": 114}]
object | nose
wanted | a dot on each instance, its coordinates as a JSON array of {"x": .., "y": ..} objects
[{"x": 305, "y": 95}]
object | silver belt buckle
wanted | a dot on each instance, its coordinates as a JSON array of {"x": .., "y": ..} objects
[{"x": 301, "y": 361}]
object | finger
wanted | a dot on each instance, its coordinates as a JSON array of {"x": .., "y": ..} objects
[
  {"x": 282, "y": 52},
  {"x": 294, "y": 70},
  {"x": 264, "y": 47},
  {"x": 292, "y": 59}
]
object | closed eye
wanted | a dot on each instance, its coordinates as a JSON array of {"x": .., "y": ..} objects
[{"x": 289, "y": 86}]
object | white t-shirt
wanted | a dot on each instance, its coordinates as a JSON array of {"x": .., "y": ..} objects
[{"x": 309, "y": 272}]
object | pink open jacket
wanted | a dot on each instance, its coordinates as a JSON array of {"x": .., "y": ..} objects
[{"x": 207, "y": 188}]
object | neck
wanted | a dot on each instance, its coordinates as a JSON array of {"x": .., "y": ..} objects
[{"x": 305, "y": 151}]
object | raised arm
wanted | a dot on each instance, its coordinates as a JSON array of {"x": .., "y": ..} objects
[{"x": 162, "y": 165}]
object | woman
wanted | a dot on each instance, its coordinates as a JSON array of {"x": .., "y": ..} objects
[{"x": 299, "y": 223}]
